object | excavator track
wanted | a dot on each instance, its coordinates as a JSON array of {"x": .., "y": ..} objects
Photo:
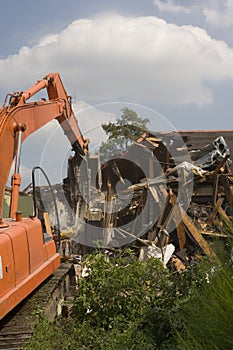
[{"x": 17, "y": 327}]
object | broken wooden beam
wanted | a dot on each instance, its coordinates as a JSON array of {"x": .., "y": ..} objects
[
  {"x": 197, "y": 235},
  {"x": 179, "y": 222}
]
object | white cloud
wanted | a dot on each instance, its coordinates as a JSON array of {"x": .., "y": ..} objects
[
  {"x": 170, "y": 6},
  {"x": 135, "y": 59},
  {"x": 220, "y": 13}
]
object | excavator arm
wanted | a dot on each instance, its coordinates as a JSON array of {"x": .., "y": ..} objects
[
  {"x": 28, "y": 252},
  {"x": 20, "y": 118}
]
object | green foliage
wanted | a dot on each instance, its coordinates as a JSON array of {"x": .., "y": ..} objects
[
  {"x": 123, "y": 304},
  {"x": 118, "y": 291},
  {"x": 122, "y": 133},
  {"x": 112, "y": 306},
  {"x": 206, "y": 319},
  {"x": 109, "y": 150}
]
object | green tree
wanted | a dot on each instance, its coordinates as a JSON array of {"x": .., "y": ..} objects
[{"x": 122, "y": 133}]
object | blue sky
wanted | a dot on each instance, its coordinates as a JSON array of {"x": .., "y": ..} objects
[
  {"x": 25, "y": 22},
  {"x": 174, "y": 57}
]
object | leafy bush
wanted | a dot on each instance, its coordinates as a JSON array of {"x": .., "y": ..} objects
[
  {"x": 115, "y": 298},
  {"x": 118, "y": 290},
  {"x": 123, "y": 304},
  {"x": 112, "y": 307}
]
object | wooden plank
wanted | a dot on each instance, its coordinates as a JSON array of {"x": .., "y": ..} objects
[
  {"x": 225, "y": 218},
  {"x": 181, "y": 234},
  {"x": 197, "y": 235},
  {"x": 47, "y": 224},
  {"x": 214, "y": 234},
  {"x": 214, "y": 211},
  {"x": 179, "y": 222},
  {"x": 107, "y": 215}
]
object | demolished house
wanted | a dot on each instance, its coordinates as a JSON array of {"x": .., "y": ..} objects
[
  {"x": 182, "y": 200},
  {"x": 170, "y": 195}
]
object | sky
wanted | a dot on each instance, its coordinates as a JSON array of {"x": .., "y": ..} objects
[{"x": 171, "y": 61}]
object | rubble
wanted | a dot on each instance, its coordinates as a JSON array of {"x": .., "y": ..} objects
[
  {"x": 170, "y": 195},
  {"x": 192, "y": 199}
]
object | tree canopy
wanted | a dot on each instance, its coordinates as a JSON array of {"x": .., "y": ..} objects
[{"x": 122, "y": 133}]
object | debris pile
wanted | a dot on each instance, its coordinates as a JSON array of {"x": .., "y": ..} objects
[
  {"x": 170, "y": 195},
  {"x": 181, "y": 201}
]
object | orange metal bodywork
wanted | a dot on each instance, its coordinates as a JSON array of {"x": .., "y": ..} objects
[
  {"x": 26, "y": 261},
  {"x": 27, "y": 255}
]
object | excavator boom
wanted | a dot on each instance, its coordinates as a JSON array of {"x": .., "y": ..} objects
[{"x": 29, "y": 117}]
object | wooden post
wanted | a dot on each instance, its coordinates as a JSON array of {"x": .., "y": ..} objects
[
  {"x": 214, "y": 211},
  {"x": 107, "y": 216},
  {"x": 179, "y": 222}
]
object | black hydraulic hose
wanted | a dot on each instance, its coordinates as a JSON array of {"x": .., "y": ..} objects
[{"x": 54, "y": 199}]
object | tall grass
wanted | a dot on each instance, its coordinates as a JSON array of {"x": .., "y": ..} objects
[{"x": 206, "y": 318}]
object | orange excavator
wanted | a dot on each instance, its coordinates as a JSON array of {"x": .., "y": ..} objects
[{"x": 27, "y": 254}]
